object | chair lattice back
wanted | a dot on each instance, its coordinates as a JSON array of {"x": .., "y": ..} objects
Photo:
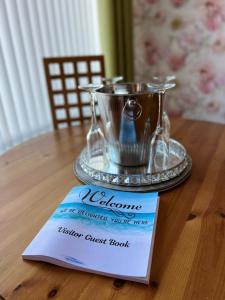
[{"x": 69, "y": 105}]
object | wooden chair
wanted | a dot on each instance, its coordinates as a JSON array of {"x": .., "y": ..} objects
[{"x": 69, "y": 105}]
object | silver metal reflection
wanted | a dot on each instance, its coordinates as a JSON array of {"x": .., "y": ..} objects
[{"x": 129, "y": 113}]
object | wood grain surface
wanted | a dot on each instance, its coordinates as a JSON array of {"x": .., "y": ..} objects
[{"x": 189, "y": 252}]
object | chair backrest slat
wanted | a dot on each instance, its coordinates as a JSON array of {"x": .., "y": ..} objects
[{"x": 69, "y": 105}]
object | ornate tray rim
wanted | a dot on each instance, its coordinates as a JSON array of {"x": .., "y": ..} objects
[
  {"x": 159, "y": 187},
  {"x": 136, "y": 179}
]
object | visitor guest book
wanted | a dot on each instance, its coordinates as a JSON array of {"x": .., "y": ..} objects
[{"x": 101, "y": 231}]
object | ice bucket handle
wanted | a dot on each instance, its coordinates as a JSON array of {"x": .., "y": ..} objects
[{"x": 132, "y": 109}]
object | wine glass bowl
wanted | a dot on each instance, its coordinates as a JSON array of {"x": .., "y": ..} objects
[
  {"x": 96, "y": 144},
  {"x": 111, "y": 80},
  {"x": 165, "y": 80},
  {"x": 159, "y": 145}
]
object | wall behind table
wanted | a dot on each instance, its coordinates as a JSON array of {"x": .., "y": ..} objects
[{"x": 185, "y": 38}]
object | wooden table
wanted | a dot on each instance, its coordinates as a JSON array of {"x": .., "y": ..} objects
[{"x": 189, "y": 252}]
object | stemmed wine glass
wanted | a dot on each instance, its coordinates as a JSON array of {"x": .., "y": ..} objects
[
  {"x": 112, "y": 80},
  {"x": 165, "y": 118},
  {"x": 96, "y": 143},
  {"x": 159, "y": 146}
]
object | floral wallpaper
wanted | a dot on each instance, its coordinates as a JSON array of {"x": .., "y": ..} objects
[{"x": 185, "y": 38}]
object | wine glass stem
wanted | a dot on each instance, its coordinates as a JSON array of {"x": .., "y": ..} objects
[
  {"x": 93, "y": 111},
  {"x": 160, "y": 113}
]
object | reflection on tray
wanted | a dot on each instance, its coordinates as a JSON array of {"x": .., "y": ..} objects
[{"x": 134, "y": 176}]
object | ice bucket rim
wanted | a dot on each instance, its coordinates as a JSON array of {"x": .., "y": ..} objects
[{"x": 138, "y": 85}]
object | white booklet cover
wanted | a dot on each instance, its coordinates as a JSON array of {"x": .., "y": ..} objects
[{"x": 101, "y": 231}]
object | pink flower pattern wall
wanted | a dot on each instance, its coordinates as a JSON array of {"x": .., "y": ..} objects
[{"x": 185, "y": 38}]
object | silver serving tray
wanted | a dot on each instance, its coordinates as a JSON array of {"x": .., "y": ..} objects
[{"x": 114, "y": 176}]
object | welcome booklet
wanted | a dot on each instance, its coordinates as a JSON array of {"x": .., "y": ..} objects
[{"x": 101, "y": 231}]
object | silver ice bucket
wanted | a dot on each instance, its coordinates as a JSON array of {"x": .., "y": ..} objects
[{"x": 129, "y": 114}]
